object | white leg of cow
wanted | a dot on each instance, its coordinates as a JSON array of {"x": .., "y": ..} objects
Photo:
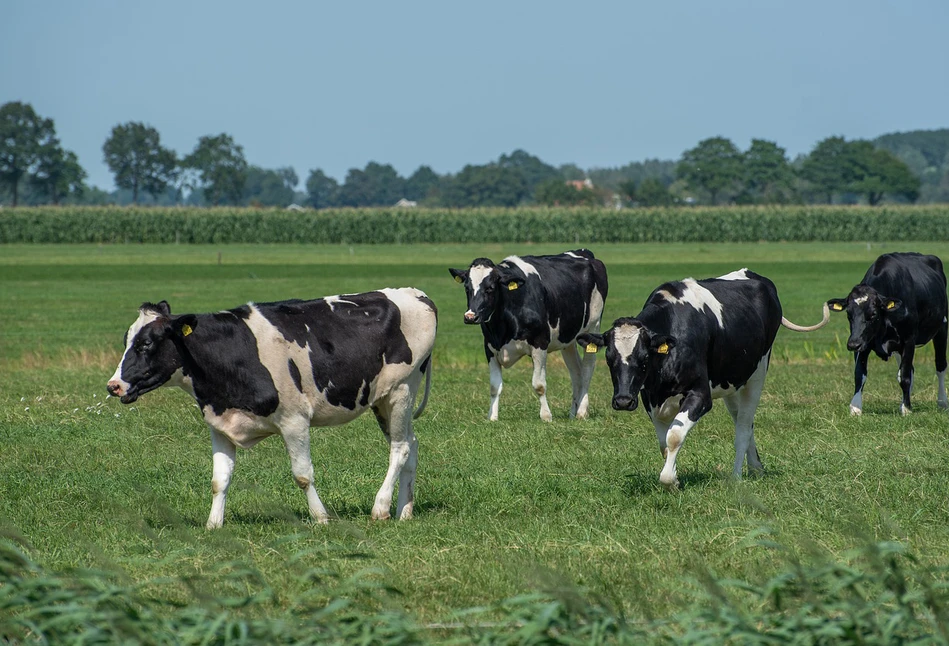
[
  {"x": 942, "y": 400},
  {"x": 539, "y": 381},
  {"x": 398, "y": 410},
  {"x": 223, "y": 452},
  {"x": 675, "y": 437},
  {"x": 587, "y": 365},
  {"x": 296, "y": 437},
  {"x": 572, "y": 361},
  {"x": 406, "y": 504},
  {"x": 662, "y": 429},
  {"x": 745, "y": 401},
  {"x": 497, "y": 385}
]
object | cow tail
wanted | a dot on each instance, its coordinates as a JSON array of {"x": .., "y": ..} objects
[
  {"x": 428, "y": 388},
  {"x": 807, "y": 328}
]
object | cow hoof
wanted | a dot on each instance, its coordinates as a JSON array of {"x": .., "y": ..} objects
[
  {"x": 380, "y": 514},
  {"x": 905, "y": 410},
  {"x": 943, "y": 403},
  {"x": 492, "y": 418},
  {"x": 856, "y": 411},
  {"x": 406, "y": 513},
  {"x": 546, "y": 416},
  {"x": 214, "y": 524}
]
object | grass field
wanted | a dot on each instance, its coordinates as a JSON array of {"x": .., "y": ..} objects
[{"x": 502, "y": 508}]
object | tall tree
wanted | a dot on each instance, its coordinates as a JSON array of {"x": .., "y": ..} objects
[
  {"x": 377, "y": 185},
  {"x": 652, "y": 192},
  {"x": 532, "y": 169},
  {"x": 558, "y": 192},
  {"x": 23, "y": 136},
  {"x": 827, "y": 167},
  {"x": 767, "y": 172},
  {"x": 489, "y": 185},
  {"x": 715, "y": 165},
  {"x": 421, "y": 184},
  {"x": 876, "y": 172},
  {"x": 269, "y": 187},
  {"x": 321, "y": 189},
  {"x": 58, "y": 174},
  {"x": 134, "y": 154},
  {"x": 221, "y": 167}
]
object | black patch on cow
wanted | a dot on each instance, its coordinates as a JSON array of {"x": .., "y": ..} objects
[
  {"x": 221, "y": 356},
  {"x": 295, "y": 374},
  {"x": 350, "y": 339},
  {"x": 424, "y": 365}
]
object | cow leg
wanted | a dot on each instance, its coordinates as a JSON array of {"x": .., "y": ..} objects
[
  {"x": 497, "y": 385},
  {"x": 905, "y": 375},
  {"x": 859, "y": 378},
  {"x": 403, "y": 454},
  {"x": 223, "y": 453},
  {"x": 572, "y": 360},
  {"x": 662, "y": 429},
  {"x": 296, "y": 437},
  {"x": 939, "y": 345},
  {"x": 742, "y": 405},
  {"x": 539, "y": 381},
  {"x": 694, "y": 406}
]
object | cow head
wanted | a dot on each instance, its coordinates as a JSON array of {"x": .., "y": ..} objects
[
  {"x": 151, "y": 357},
  {"x": 632, "y": 352},
  {"x": 868, "y": 312},
  {"x": 484, "y": 284}
]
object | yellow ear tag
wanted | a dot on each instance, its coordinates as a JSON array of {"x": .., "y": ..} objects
[
  {"x": 511, "y": 286},
  {"x": 663, "y": 349},
  {"x": 837, "y": 307},
  {"x": 591, "y": 348},
  {"x": 458, "y": 280},
  {"x": 186, "y": 330},
  {"x": 890, "y": 305}
]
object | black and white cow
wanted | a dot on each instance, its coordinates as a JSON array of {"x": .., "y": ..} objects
[
  {"x": 695, "y": 341},
  {"x": 899, "y": 305},
  {"x": 279, "y": 368},
  {"x": 532, "y": 305}
]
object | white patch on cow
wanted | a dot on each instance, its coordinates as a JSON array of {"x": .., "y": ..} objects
[
  {"x": 477, "y": 274},
  {"x": 698, "y": 297},
  {"x": 596, "y": 311},
  {"x": 518, "y": 262},
  {"x": 333, "y": 300},
  {"x": 741, "y": 274},
  {"x": 667, "y": 411},
  {"x": 860, "y": 300},
  {"x": 241, "y": 427},
  {"x": 572, "y": 255},
  {"x": 511, "y": 352},
  {"x": 856, "y": 404},
  {"x": 144, "y": 318},
  {"x": 718, "y": 392},
  {"x": 625, "y": 338}
]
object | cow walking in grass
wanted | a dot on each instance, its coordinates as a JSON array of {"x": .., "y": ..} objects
[
  {"x": 898, "y": 306},
  {"x": 693, "y": 342},
  {"x": 534, "y": 305},
  {"x": 279, "y": 368}
]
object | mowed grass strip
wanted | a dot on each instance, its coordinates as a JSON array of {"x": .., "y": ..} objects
[{"x": 503, "y": 508}]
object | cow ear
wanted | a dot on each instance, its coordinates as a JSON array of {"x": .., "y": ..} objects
[
  {"x": 892, "y": 305},
  {"x": 837, "y": 304},
  {"x": 460, "y": 275},
  {"x": 184, "y": 325},
  {"x": 662, "y": 343},
  {"x": 591, "y": 342},
  {"x": 509, "y": 281},
  {"x": 164, "y": 308}
]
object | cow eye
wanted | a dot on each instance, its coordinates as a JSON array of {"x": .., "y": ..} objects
[{"x": 144, "y": 345}]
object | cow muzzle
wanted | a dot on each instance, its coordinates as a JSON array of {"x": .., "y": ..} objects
[
  {"x": 624, "y": 402},
  {"x": 471, "y": 318},
  {"x": 855, "y": 345},
  {"x": 115, "y": 388}
]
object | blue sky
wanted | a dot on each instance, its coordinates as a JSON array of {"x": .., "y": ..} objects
[{"x": 336, "y": 85}]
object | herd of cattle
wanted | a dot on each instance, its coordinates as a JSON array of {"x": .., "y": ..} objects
[{"x": 279, "y": 368}]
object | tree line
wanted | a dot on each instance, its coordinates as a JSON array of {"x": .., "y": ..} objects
[{"x": 36, "y": 169}]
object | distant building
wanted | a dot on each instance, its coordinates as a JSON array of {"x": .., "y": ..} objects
[
  {"x": 295, "y": 207},
  {"x": 407, "y": 204},
  {"x": 580, "y": 184}
]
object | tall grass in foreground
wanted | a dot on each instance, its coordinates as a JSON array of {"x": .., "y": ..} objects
[{"x": 878, "y": 593}]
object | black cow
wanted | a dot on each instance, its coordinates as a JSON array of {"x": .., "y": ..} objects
[
  {"x": 899, "y": 305},
  {"x": 279, "y": 368},
  {"x": 532, "y": 305},
  {"x": 695, "y": 341}
]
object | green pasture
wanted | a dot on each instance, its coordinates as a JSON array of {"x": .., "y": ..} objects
[{"x": 502, "y": 508}]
